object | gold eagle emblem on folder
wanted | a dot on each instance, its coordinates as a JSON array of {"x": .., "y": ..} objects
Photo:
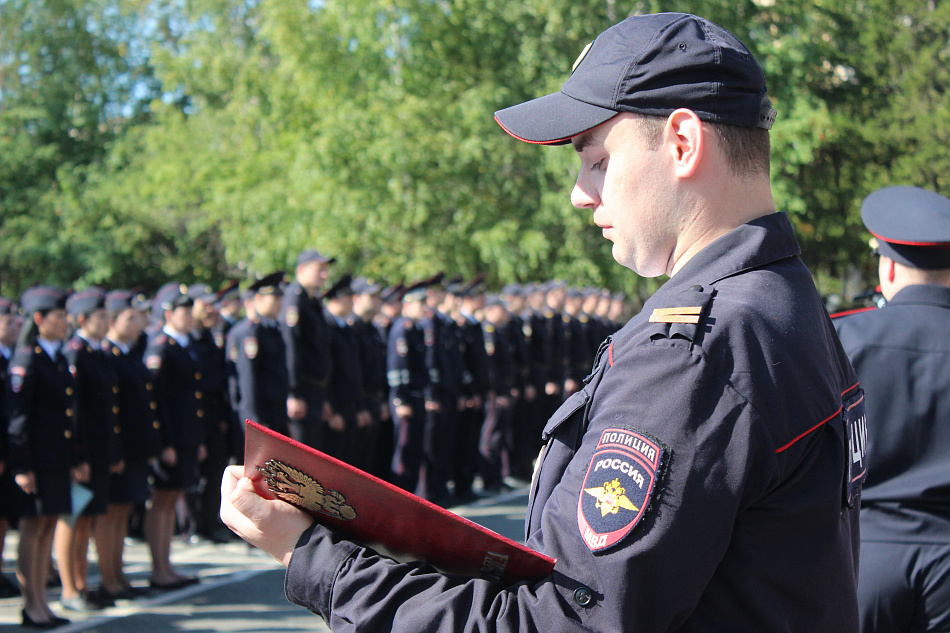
[{"x": 302, "y": 490}]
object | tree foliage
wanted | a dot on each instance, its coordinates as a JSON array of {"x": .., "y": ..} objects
[{"x": 201, "y": 139}]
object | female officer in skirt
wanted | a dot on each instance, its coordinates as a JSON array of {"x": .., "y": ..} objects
[
  {"x": 97, "y": 424},
  {"x": 176, "y": 374},
  {"x": 45, "y": 455},
  {"x": 140, "y": 438}
]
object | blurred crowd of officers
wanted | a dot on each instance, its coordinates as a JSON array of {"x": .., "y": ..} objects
[{"x": 142, "y": 400}]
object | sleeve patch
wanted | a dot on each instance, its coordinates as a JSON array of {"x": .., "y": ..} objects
[
  {"x": 153, "y": 362},
  {"x": 619, "y": 486},
  {"x": 17, "y": 375},
  {"x": 292, "y": 317},
  {"x": 250, "y": 347}
]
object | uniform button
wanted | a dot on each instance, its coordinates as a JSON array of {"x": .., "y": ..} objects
[
  {"x": 201, "y": 413},
  {"x": 198, "y": 395},
  {"x": 115, "y": 389},
  {"x": 69, "y": 391},
  {"x": 583, "y": 596},
  {"x": 156, "y": 425},
  {"x": 115, "y": 410},
  {"x": 67, "y": 433},
  {"x": 198, "y": 375},
  {"x": 148, "y": 386},
  {"x": 116, "y": 429},
  {"x": 69, "y": 413},
  {"x": 153, "y": 405}
]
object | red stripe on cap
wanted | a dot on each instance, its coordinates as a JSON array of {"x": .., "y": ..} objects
[
  {"x": 554, "y": 142},
  {"x": 610, "y": 355},
  {"x": 937, "y": 245},
  {"x": 812, "y": 429}
]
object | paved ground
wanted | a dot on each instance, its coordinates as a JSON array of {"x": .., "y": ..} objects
[{"x": 241, "y": 588}]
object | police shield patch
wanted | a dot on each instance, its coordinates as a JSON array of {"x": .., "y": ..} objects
[{"x": 618, "y": 487}]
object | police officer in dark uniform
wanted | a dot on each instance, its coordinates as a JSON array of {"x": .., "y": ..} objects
[
  {"x": 496, "y": 429},
  {"x": 45, "y": 452},
  {"x": 140, "y": 437},
  {"x": 261, "y": 358},
  {"x": 525, "y": 440},
  {"x": 10, "y": 323},
  {"x": 474, "y": 387},
  {"x": 408, "y": 379},
  {"x": 208, "y": 340},
  {"x": 372, "y": 351},
  {"x": 703, "y": 479},
  {"x": 306, "y": 338},
  {"x": 176, "y": 376},
  {"x": 99, "y": 431},
  {"x": 351, "y": 423},
  {"x": 539, "y": 353},
  {"x": 900, "y": 355}
]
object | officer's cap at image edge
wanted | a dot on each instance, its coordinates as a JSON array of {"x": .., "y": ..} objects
[
  {"x": 651, "y": 65},
  {"x": 911, "y": 225}
]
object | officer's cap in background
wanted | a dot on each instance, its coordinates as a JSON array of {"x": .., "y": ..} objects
[
  {"x": 201, "y": 292},
  {"x": 363, "y": 286},
  {"x": 170, "y": 296},
  {"x": 227, "y": 292},
  {"x": 342, "y": 288},
  {"x": 313, "y": 255},
  {"x": 554, "y": 284},
  {"x": 493, "y": 300},
  {"x": 86, "y": 301},
  {"x": 121, "y": 299},
  {"x": 653, "y": 65},
  {"x": 8, "y": 306},
  {"x": 272, "y": 284},
  {"x": 912, "y": 226},
  {"x": 512, "y": 290},
  {"x": 41, "y": 299},
  {"x": 416, "y": 291},
  {"x": 392, "y": 294}
]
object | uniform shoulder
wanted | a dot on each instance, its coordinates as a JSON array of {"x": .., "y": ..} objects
[{"x": 847, "y": 313}]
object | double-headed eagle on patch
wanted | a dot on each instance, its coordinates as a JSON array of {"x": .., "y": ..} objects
[
  {"x": 302, "y": 490},
  {"x": 611, "y": 497}
]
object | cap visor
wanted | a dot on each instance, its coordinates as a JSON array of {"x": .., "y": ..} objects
[{"x": 551, "y": 120}]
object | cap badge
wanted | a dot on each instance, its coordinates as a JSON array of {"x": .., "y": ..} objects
[
  {"x": 581, "y": 57},
  {"x": 302, "y": 490}
]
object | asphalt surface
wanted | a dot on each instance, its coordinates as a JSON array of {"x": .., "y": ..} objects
[{"x": 241, "y": 588}]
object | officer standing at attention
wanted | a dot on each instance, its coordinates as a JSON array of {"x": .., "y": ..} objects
[
  {"x": 900, "y": 354},
  {"x": 307, "y": 340},
  {"x": 699, "y": 480},
  {"x": 176, "y": 376},
  {"x": 260, "y": 357}
]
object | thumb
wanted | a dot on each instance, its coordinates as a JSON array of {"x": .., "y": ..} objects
[{"x": 245, "y": 499}]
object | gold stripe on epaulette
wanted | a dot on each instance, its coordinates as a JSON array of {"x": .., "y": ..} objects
[{"x": 676, "y": 315}]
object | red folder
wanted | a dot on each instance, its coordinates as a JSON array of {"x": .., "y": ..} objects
[{"x": 384, "y": 517}]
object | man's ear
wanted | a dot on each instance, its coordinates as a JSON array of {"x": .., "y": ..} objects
[{"x": 684, "y": 136}]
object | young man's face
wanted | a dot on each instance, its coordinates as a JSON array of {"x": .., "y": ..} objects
[
  {"x": 180, "y": 319},
  {"x": 628, "y": 188},
  {"x": 267, "y": 306}
]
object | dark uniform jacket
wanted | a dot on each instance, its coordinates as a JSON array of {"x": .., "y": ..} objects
[
  {"x": 406, "y": 369},
  {"x": 700, "y": 481},
  {"x": 141, "y": 437},
  {"x": 307, "y": 342},
  {"x": 97, "y": 404},
  {"x": 260, "y": 360},
  {"x": 42, "y": 403},
  {"x": 177, "y": 378},
  {"x": 901, "y": 353}
]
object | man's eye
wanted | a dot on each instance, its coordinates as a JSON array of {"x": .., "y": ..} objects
[{"x": 598, "y": 165}]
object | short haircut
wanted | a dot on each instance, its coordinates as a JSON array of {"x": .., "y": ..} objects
[{"x": 746, "y": 149}]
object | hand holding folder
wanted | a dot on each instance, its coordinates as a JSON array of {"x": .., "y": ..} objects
[{"x": 364, "y": 509}]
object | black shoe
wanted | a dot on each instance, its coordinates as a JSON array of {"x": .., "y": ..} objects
[
  {"x": 45, "y": 624},
  {"x": 178, "y": 584},
  {"x": 8, "y": 589},
  {"x": 100, "y": 598}
]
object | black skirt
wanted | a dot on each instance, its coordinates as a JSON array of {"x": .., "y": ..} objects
[{"x": 52, "y": 497}]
